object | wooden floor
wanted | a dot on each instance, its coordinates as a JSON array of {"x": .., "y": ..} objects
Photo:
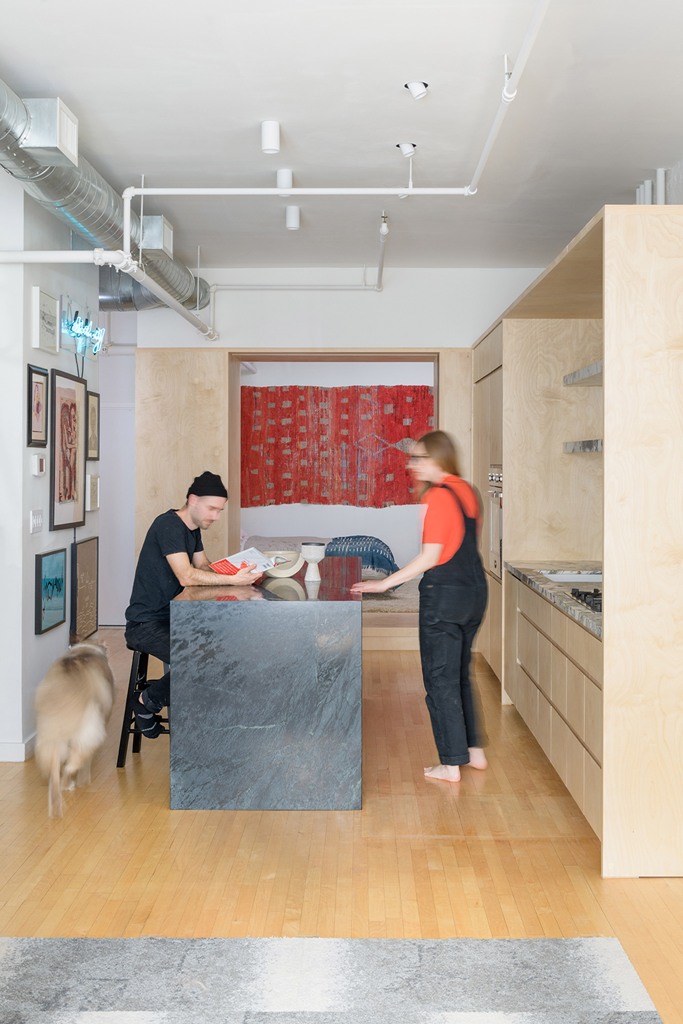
[{"x": 504, "y": 854}]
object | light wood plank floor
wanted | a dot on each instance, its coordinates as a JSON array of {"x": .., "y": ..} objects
[{"x": 504, "y": 854}]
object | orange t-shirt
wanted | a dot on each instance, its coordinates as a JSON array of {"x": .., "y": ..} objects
[{"x": 443, "y": 523}]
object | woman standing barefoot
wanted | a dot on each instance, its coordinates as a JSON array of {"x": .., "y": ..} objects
[{"x": 453, "y": 597}]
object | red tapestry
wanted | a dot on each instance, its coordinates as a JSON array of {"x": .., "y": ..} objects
[{"x": 331, "y": 446}]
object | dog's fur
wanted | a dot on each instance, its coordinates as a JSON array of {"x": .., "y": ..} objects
[{"x": 73, "y": 703}]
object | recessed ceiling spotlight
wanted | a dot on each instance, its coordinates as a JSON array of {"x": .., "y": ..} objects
[
  {"x": 407, "y": 148},
  {"x": 417, "y": 89},
  {"x": 292, "y": 218},
  {"x": 270, "y": 136}
]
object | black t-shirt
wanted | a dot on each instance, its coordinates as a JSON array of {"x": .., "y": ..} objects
[{"x": 155, "y": 584}]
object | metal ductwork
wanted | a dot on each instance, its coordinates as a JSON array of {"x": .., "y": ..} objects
[{"x": 83, "y": 200}]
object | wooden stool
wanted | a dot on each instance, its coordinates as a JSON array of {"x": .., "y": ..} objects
[{"x": 137, "y": 681}]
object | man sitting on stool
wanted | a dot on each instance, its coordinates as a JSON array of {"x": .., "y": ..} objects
[{"x": 172, "y": 557}]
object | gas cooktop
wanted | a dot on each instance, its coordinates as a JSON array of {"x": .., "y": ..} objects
[{"x": 591, "y": 598}]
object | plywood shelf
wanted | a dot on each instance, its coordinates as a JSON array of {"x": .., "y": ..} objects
[{"x": 587, "y": 376}]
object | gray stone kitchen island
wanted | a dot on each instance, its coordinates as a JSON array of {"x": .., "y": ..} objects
[{"x": 266, "y": 694}]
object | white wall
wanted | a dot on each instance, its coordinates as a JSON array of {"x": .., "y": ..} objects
[
  {"x": 437, "y": 308},
  {"x": 399, "y": 527},
  {"x": 27, "y": 656}
]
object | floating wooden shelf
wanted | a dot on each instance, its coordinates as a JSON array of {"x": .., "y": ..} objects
[
  {"x": 587, "y": 376},
  {"x": 575, "y": 447}
]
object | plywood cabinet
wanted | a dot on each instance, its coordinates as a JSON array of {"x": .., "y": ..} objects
[
  {"x": 487, "y": 450},
  {"x": 555, "y": 681},
  {"x": 610, "y": 717}
]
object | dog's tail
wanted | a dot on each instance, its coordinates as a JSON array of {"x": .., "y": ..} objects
[{"x": 54, "y": 791}]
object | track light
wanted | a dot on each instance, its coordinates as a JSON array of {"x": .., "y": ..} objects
[
  {"x": 284, "y": 181},
  {"x": 292, "y": 218},
  {"x": 270, "y": 136},
  {"x": 407, "y": 148},
  {"x": 417, "y": 89}
]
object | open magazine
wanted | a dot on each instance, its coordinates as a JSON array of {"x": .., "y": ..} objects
[{"x": 233, "y": 563}]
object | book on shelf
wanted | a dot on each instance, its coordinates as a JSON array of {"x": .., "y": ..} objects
[{"x": 252, "y": 556}]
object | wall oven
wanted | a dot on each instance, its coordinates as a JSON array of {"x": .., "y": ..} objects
[{"x": 494, "y": 527}]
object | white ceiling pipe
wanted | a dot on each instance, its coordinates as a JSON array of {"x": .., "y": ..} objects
[
  {"x": 509, "y": 90},
  {"x": 123, "y": 262}
]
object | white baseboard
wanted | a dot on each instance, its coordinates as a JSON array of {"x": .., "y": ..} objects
[{"x": 18, "y": 751}]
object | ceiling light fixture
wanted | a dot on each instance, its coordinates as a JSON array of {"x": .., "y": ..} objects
[
  {"x": 284, "y": 181},
  {"x": 417, "y": 89},
  {"x": 270, "y": 136},
  {"x": 292, "y": 218},
  {"x": 383, "y": 227},
  {"x": 407, "y": 148}
]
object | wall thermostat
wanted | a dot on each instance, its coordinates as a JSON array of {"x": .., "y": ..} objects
[{"x": 38, "y": 464}]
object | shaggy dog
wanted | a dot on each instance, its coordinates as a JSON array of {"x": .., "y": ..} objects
[{"x": 73, "y": 703}]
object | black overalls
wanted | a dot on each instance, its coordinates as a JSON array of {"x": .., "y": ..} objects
[{"x": 452, "y": 604}]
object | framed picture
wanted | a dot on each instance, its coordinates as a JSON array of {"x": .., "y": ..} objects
[
  {"x": 93, "y": 425},
  {"x": 67, "y": 445},
  {"x": 84, "y": 568},
  {"x": 44, "y": 321},
  {"x": 92, "y": 492},
  {"x": 50, "y": 590},
  {"x": 36, "y": 407}
]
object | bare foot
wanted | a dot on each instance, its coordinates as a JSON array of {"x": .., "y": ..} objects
[
  {"x": 444, "y": 772},
  {"x": 477, "y": 758}
]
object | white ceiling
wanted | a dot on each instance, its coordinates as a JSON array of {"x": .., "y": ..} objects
[{"x": 177, "y": 93}]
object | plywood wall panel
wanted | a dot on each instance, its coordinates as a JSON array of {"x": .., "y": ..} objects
[
  {"x": 181, "y": 409},
  {"x": 455, "y": 401},
  {"x": 553, "y": 503},
  {"x": 643, "y": 557}
]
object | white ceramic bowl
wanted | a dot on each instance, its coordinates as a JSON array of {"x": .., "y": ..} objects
[{"x": 293, "y": 562}]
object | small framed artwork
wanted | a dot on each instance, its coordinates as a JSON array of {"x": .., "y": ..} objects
[
  {"x": 45, "y": 321},
  {"x": 68, "y": 448},
  {"x": 84, "y": 570},
  {"x": 92, "y": 492},
  {"x": 93, "y": 425},
  {"x": 50, "y": 590},
  {"x": 36, "y": 406}
]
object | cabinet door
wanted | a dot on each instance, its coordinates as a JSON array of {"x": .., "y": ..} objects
[{"x": 496, "y": 416}]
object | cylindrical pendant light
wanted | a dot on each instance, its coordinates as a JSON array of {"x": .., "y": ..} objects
[
  {"x": 292, "y": 218},
  {"x": 407, "y": 148},
  {"x": 270, "y": 136},
  {"x": 284, "y": 181}
]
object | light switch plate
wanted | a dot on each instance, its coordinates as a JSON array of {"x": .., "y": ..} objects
[{"x": 36, "y": 520}]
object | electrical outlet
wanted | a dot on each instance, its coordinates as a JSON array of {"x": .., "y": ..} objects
[{"x": 36, "y": 520}]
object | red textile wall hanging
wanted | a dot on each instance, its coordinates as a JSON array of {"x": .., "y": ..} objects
[{"x": 331, "y": 446}]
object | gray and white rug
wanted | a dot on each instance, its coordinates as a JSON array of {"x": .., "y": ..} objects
[{"x": 320, "y": 981}]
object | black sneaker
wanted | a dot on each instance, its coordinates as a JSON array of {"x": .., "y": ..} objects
[{"x": 147, "y": 722}]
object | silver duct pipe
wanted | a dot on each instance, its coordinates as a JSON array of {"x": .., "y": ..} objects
[{"x": 81, "y": 198}]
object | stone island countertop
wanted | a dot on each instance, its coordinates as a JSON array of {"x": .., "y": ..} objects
[{"x": 559, "y": 594}]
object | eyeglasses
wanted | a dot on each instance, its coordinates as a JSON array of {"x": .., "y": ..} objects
[{"x": 416, "y": 458}]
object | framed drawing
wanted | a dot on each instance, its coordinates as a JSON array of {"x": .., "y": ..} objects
[
  {"x": 92, "y": 492},
  {"x": 50, "y": 594},
  {"x": 45, "y": 321},
  {"x": 36, "y": 407},
  {"x": 67, "y": 446},
  {"x": 84, "y": 568},
  {"x": 93, "y": 425}
]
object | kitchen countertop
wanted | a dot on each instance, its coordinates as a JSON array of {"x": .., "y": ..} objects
[{"x": 559, "y": 594}]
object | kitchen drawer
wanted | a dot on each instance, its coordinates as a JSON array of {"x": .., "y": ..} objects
[
  {"x": 592, "y": 793},
  {"x": 527, "y": 647},
  {"x": 535, "y": 607},
  {"x": 575, "y": 699},
  {"x": 593, "y": 719},
  {"x": 585, "y": 649}
]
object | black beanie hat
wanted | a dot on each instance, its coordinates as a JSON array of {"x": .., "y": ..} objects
[{"x": 208, "y": 484}]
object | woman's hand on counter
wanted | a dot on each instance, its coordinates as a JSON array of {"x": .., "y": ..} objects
[{"x": 371, "y": 587}]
